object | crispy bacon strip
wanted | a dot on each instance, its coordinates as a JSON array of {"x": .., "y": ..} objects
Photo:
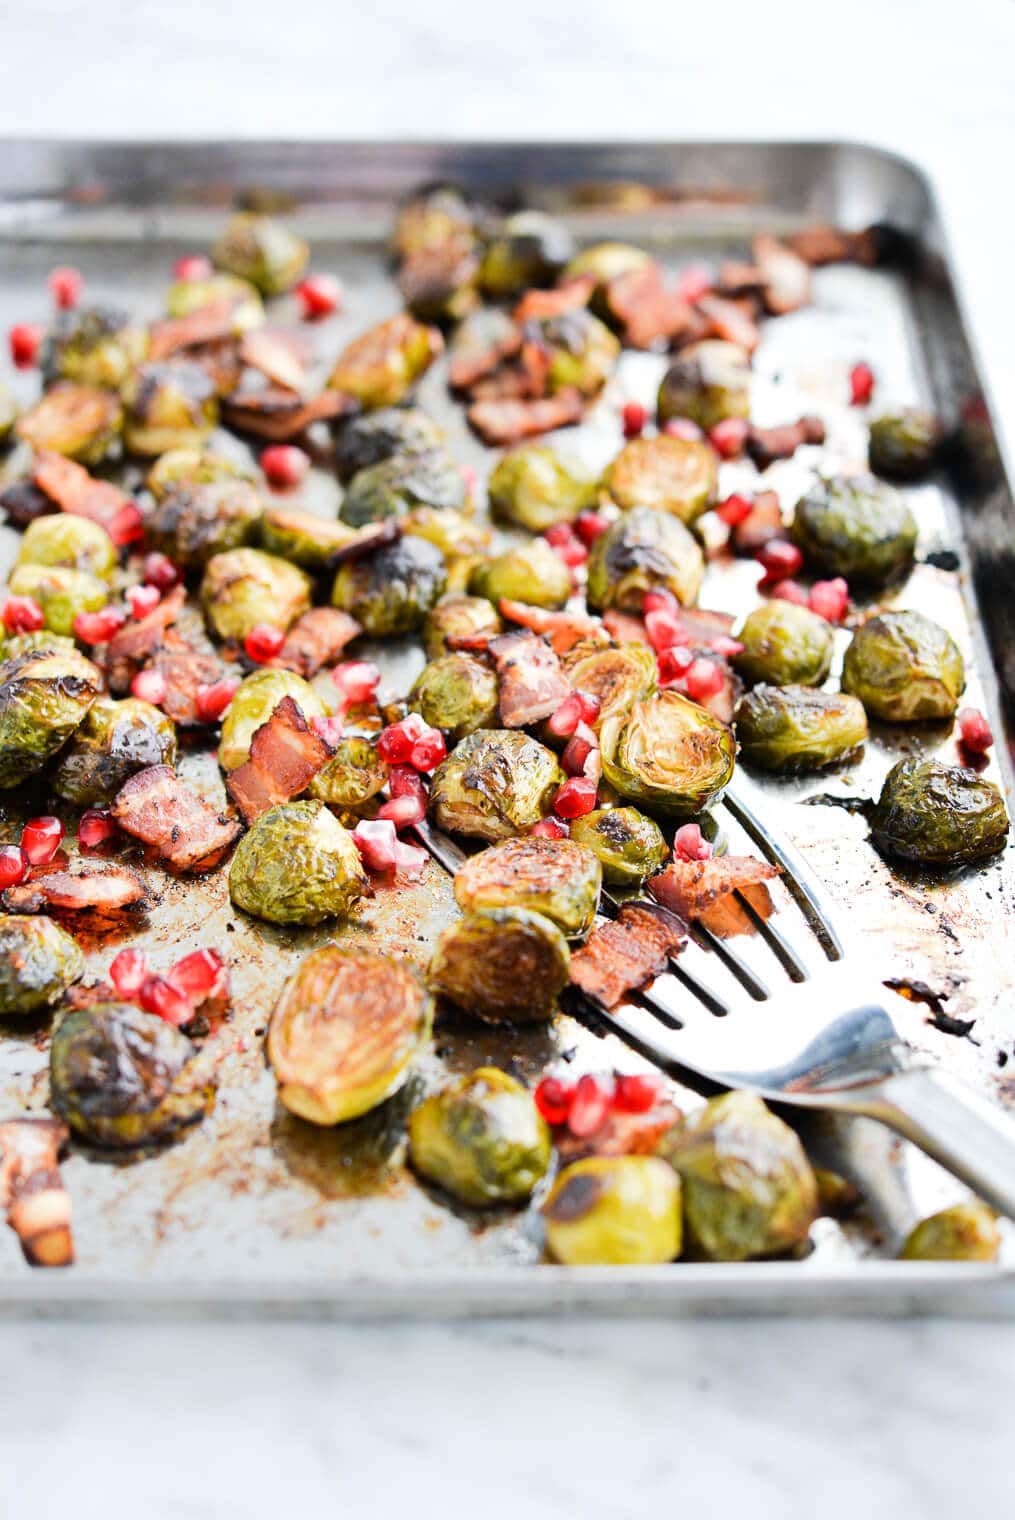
[
  {"x": 135, "y": 643},
  {"x": 208, "y": 324},
  {"x": 689, "y": 887},
  {"x": 728, "y": 320},
  {"x": 156, "y": 807},
  {"x": 621, "y": 1135},
  {"x": 281, "y": 356},
  {"x": 504, "y": 422},
  {"x": 824, "y": 244},
  {"x": 705, "y": 624},
  {"x": 532, "y": 684},
  {"x": 624, "y": 627},
  {"x": 787, "y": 279},
  {"x": 99, "y": 889},
  {"x": 285, "y": 756},
  {"x": 562, "y": 630},
  {"x": 540, "y": 305},
  {"x": 186, "y": 669},
  {"x": 469, "y": 364},
  {"x": 32, "y": 1190},
  {"x": 77, "y": 492},
  {"x": 279, "y": 414},
  {"x": 316, "y": 639},
  {"x": 762, "y": 524},
  {"x": 766, "y": 445},
  {"x": 623, "y": 955},
  {"x": 646, "y": 311}
]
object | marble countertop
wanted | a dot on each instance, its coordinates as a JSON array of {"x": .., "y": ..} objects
[{"x": 583, "y": 1418}]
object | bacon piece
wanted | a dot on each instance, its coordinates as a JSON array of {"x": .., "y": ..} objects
[
  {"x": 186, "y": 669},
  {"x": 471, "y": 362},
  {"x": 740, "y": 280},
  {"x": 624, "y": 627},
  {"x": 87, "y": 994},
  {"x": 646, "y": 311},
  {"x": 207, "y": 324},
  {"x": 503, "y": 422},
  {"x": 279, "y": 414},
  {"x": 156, "y": 807},
  {"x": 705, "y": 624},
  {"x": 99, "y": 889},
  {"x": 787, "y": 279},
  {"x": 540, "y": 305},
  {"x": 316, "y": 639},
  {"x": 622, "y": 1134},
  {"x": 32, "y": 1190},
  {"x": 428, "y": 276},
  {"x": 766, "y": 445},
  {"x": 621, "y": 956},
  {"x": 532, "y": 684},
  {"x": 281, "y": 356},
  {"x": 562, "y": 630},
  {"x": 285, "y": 756},
  {"x": 762, "y": 524},
  {"x": 824, "y": 244},
  {"x": 728, "y": 320},
  {"x": 366, "y": 539},
  {"x": 135, "y": 643},
  {"x": 689, "y": 887},
  {"x": 77, "y": 492}
]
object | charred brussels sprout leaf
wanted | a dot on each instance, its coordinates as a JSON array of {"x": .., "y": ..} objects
[
  {"x": 44, "y": 696},
  {"x": 582, "y": 351},
  {"x": 188, "y": 296},
  {"x": 367, "y": 440},
  {"x": 92, "y": 345},
  {"x": 709, "y": 382},
  {"x": 532, "y": 573},
  {"x": 192, "y": 467},
  {"x": 856, "y": 527},
  {"x": 456, "y": 693},
  {"x": 396, "y": 486},
  {"x": 431, "y": 218},
  {"x": 297, "y": 865},
  {"x": 529, "y": 249},
  {"x": 904, "y": 667},
  {"x": 302, "y": 537},
  {"x": 797, "y": 729},
  {"x": 644, "y": 549},
  {"x": 506, "y": 964},
  {"x": 674, "y": 475},
  {"x": 618, "y": 674},
  {"x": 392, "y": 590},
  {"x": 69, "y": 542},
  {"x": 38, "y": 962},
  {"x": 494, "y": 784},
  {"x": 459, "y": 538},
  {"x": 169, "y": 406},
  {"x": 938, "y": 815},
  {"x": 192, "y": 523},
  {"x": 785, "y": 644},
  {"x": 80, "y": 421},
  {"x": 614, "y": 1211},
  {"x": 668, "y": 754},
  {"x": 256, "y": 698},
  {"x": 482, "y": 1140},
  {"x": 558, "y": 878},
  {"x": 459, "y": 617},
  {"x": 61, "y": 594},
  {"x": 905, "y": 444},
  {"x": 629, "y": 845},
  {"x": 115, "y": 740},
  {"x": 532, "y": 488},
  {"x": 965, "y": 1232},
  {"x": 261, "y": 250},
  {"x": 352, "y": 776},
  {"x": 380, "y": 368},
  {"x": 244, "y": 587}
]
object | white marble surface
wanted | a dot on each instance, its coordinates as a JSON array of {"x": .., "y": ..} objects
[{"x": 584, "y": 1418}]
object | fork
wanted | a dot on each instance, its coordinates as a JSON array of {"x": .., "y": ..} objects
[{"x": 832, "y": 1043}]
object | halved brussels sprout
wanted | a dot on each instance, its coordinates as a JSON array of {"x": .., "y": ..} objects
[
  {"x": 459, "y": 617},
  {"x": 965, "y": 1232},
  {"x": 629, "y": 845},
  {"x": 115, "y": 740},
  {"x": 28, "y": 643},
  {"x": 614, "y": 1211},
  {"x": 192, "y": 467},
  {"x": 749, "y": 1189},
  {"x": 392, "y": 590},
  {"x": 675, "y": 475},
  {"x": 395, "y": 486},
  {"x": 458, "y": 537},
  {"x": 38, "y": 962},
  {"x": 582, "y": 351},
  {"x": 187, "y": 296},
  {"x": 170, "y": 405},
  {"x": 618, "y": 674},
  {"x": 71, "y": 542},
  {"x": 856, "y": 527},
  {"x": 303, "y": 537},
  {"x": 904, "y": 667},
  {"x": 795, "y": 728},
  {"x": 644, "y": 549},
  {"x": 558, "y": 878},
  {"x": 606, "y": 261},
  {"x": 381, "y": 367},
  {"x": 668, "y": 753},
  {"x": 533, "y": 488},
  {"x": 905, "y": 444},
  {"x": 77, "y": 420},
  {"x": 122, "y": 1078},
  {"x": 352, "y": 776},
  {"x": 256, "y": 698},
  {"x": 366, "y": 440},
  {"x": 456, "y": 693},
  {"x": 430, "y": 218},
  {"x": 261, "y": 250},
  {"x": 297, "y": 865},
  {"x": 244, "y": 587},
  {"x": 938, "y": 815},
  {"x": 44, "y": 696},
  {"x": 506, "y": 964},
  {"x": 61, "y": 594},
  {"x": 92, "y": 345},
  {"x": 494, "y": 784},
  {"x": 707, "y": 383},
  {"x": 192, "y": 523},
  {"x": 344, "y": 1031},
  {"x": 532, "y": 573},
  {"x": 482, "y": 1140},
  {"x": 785, "y": 644},
  {"x": 529, "y": 249}
]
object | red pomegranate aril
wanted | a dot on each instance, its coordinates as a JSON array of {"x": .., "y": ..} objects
[
  {"x": 66, "y": 286},
  {"x": 861, "y": 384},
  {"x": 590, "y": 525},
  {"x": 329, "y": 729},
  {"x": 577, "y": 751},
  {"x": 728, "y": 437},
  {"x": 96, "y": 827},
  {"x": 99, "y": 627},
  {"x": 284, "y": 465},
  {"x": 590, "y": 1105},
  {"x": 553, "y": 1097},
  {"x": 409, "y": 858},
  {"x": 558, "y": 534},
  {"x": 160, "y": 571},
  {"x": 779, "y": 559},
  {"x": 127, "y": 525},
  {"x": 674, "y": 663},
  {"x": 403, "y": 812},
  {"x": 22, "y": 614},
  {"x": 394, "y": 743},
  {"x": 786, "y": 591},
  {"x": 197, "y": 975},
  {"x": 974, "y": 730},
  {"x": 193, "y": 266},
  {"x": 24, "y": 339},
  {"x": 683, "y": 427},
  {"x": 150, "y": 686},
  {"x": 159, "y": 996},
  {"x": 726, "y": 646},
  {"x": 13, "y": 866},
  {"x": 830, "y": 599},
  {"x": 376, "y": 840},
  {"x": 471, "y": 478},
  {"x": 734, "y": 509},
  {"x": 428, "y": 752},
  {"x": 41, "y": 838},
  {"x": 263, "y": 642},
  {"x": 129, "y": 972},
  {"x": 634, "y": 417},
  {"x": 573, "y": 552},
  {"x": 567, "y": 717},
  {"x": 403, "y": 781},
  {"x": 549, "y": 828},
  {"x": 693, "y": 283},
  {"x": 689, "y": 843},
  {"x": 663, "y": 629},
  {"x": 636, "y": 1093},
  {"x": 319, "y": 295},
  {"x": 659, "y": 599},
  {"x": 213, "y": 699},
  {"x": 142, "y": 599},
  {"x": 704, "y": 679},
  {"x": 577, "y": 796},
  {"x": 357, "y": 680}
]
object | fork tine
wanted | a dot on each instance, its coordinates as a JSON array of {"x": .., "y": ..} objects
[{"x": 772, "y": 933}]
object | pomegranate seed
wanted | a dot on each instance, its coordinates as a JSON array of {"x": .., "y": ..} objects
[
  {"x": 779, "y": 559},
  {"x": 861, "y": 384},
  {"x": 590, "y": 706},
  {"x": 160, "y": 571},
  {"x": 704, "y": 679},
  {"x": 659, "y": 599},
  {"x": 394, "y": 744},
  {"x": 409, "y": 858},
  {"x": 357, "y": 680},
  {"x": 573, "y": 553},
  {"x": 320, "y": 295},
  {"x": 567, "y": 717},
  {"x": 403, "y": 812},
  {"x": 284, "y": 465},
  {"x": 664, "y": 629},
  {"x": 576, "y": 797},
  {"x": 726, "y": 646},
  {"x": 589, "y": 525},
  {"x": 263, "y": 642},
  {"x": 159, "y": 996},
  {"x": 143, "y": 599},
  {"x": 787, "y": 591},
  {"x": 41, "y": 838},
  {"x": 99, "y": 627},
  {"x": 634, "y": 418},
  {"x": 428, "y": 752},
  {"x": 126, "y": 525},
  {"x": 553, "y": 1098},
  {"x": 577, "y": 751},
  {"x": 376, "y": 842},
  {"x": 689, "y": 843},
  {"x": 66, "y": 286},
  {"x": 549, "y": 828},
  {"x": 673, "y": 663},
  {"x": 24, "y": 339},
  {"x": 193, "y": 266},
  {"x": 728, "y": 437},
  {"x": 694, "y": 283},
  {"x": 683, "y": 427},
  {"x": 636, "y": 1094},
  {"x": 403, "y": 781},
  {"x": 150, "y": 686},
  {"x": 212, "y": 700},
  {"x": 22, "y": 614},
  {"x": 734, "y": 509},
  {"x": 328, "y": 729},
  {"x": 974, "y": 730},
  {"x": 829, "y": 599},
  {"x": 590, "y": 1105},
  {"x": 96, "y": 827},
  {"x": 558, "y": 534},
  {"x": 129, "y": 972},
  {"x": 13, "y": 865},
  {"x": 197, "y": 975}
]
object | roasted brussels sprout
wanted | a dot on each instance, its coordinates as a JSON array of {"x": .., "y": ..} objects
[
  {"x": 532, "y": 488},
  {"x": 244, "y": 587},
  {"x": 618, "y": 674},
  {"x": 558, "y": 878},
  {"x": 629, "y": 845},
  {"x": 122, "y": 1078},
  {"x": 582, "y": 351},
  {"x": 193, "y": 523},
  {"x": 38, "y": 962},
  {"x": 905, "y": 444},
  {"x": 708, "y": 382},
  {"x": 44, "y": 696},
  {"x": 614, "y": 1211},
  {"x": 668, "y": 754},
  {"x": 190, "y": 467},
  {"x": 532, "y": 573},
  {"x": 70, "y": 542},
  {"x": 529, "y": 249},
  {"x": 904, "y": 667},
  {"x": 459, "y": 538},
  {"x": 366, "y": 440},
  {"x": 606, "y": 261},
  {"x": 115, "y": 740},
  {"x": 302, "y": 537},
  {"x": 938, "y": 815},
  {"x": 25, "y": 643},
  {"x": 381, "y": 367},
  {"x": 77, "y": 420},
  {"x": 482, "y": 1140},
  {"x": 675, "y": 475},
  {"x": 352, "y": 776},
  {"x": 392, "y": 590},
  {"x": 748, "y": 1187},
  {"x": 506, "y": 964},
  {"x": 494, "y": 784},
  {"x": 458, "y": 617},
  {"x": 644, "y": 549},
  {"x": 432, "y": 217},
  {"x": 965, "y": 1232},
  {"x": 344, "y": 1031},
  {"x": 785, "y": 644},
  {"x": 855, "y": 527},
  {"x": 795, "y": 728},
  {"x": 261, "y": 250},
  {"x": 169, "y": 406},
  {"x": 439, "y": 284},
  {"x": 457, "y": 693},
  {"x": 187, "y": 296},
  {"x": 61, "y": 594},
  {"x": 256, "y": 698},
  {"x": 92, "y": 345},
  {"x": 296, "y": 865},
  {"x": 395, "y": 486}
]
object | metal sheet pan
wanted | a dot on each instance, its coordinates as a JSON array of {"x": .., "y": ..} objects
[{"x": 256, "y": 1208}]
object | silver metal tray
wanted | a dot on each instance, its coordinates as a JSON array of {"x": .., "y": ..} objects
[{"x": 256, "y": 1208}]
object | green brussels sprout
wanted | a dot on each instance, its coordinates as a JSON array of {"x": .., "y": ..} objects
[
  {"x": 80, "y": 421},
  {"x": 506, "y": 964},
  {"x": 70, "y": 542},
  {"x": 645, "y": 549},
  {"x": 938, "y": 815},
  {"x": 38, "y": 962},
  {"x": 23, "y": 643},
  {"x": 193, "y": 523},
  {"x": 261, "y": 250},
  {"x": 456, "y": 693},
  {"x": 965, "y": 1232},
  {"x": 430, "y": 218},
  {"x": 170, "y": 405},
  {"x": 668, "y": 754},
  {"x": 618, "y": 674},
  {"x": 380, "y": 368},
  {"x": 837, "y": 1196},
  {"x": 748, "y": 1187},
  {"x": 459, "y": 617},
  {"x": 795, "y": 728},
  {"x": 344, "y": 1031},
  {"x": 122, "y": 1078},
  {"x": 582, "y": 351},
  {"x": 188, "y": 296},
  {"x": 44, "y": 696},
  {"x": 529, "y": 249},
  {"x": 92, "y": 345},
  {"x": 904, "y": 667},
  {"x": 395, "y": 486},
  {"x": 606, "y": 261},
  {"x": 297, "y": 865},
  {"x": 614, "y": 1211},
  {"x": 677, "y": 475},
  {"x": 494, "y": 784},
  {"x": 61, "y": 593},
  {"x": 629, "y": 845},
  {"x": 244, "y": 587},
  {"x": 784, "y": 644},
  {"x": 8, "y": 415},
  {"x": 532, "y": 573},
  {"x": 352, "y": 776},
  {"x": 482, "y": 1140},
  {"x": 904, "y": 445},
  {"x": 303, "y": 538},
  {"x": 369, "y": 439},
  {"x": 707, "y": 383},
  {"x": 392, "y": 590},
  {"x": 256, "y": 698},
  {"x": 855, "y": 527},
  {"x": 115, "y": 740},
  {"x": 532, "y": 488},
  {"x": 192, "y": 467},
  {"x": 558, "y": 878},
  {"x": 458, "y": 537},
  {"x": 439, "y": 284}
]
